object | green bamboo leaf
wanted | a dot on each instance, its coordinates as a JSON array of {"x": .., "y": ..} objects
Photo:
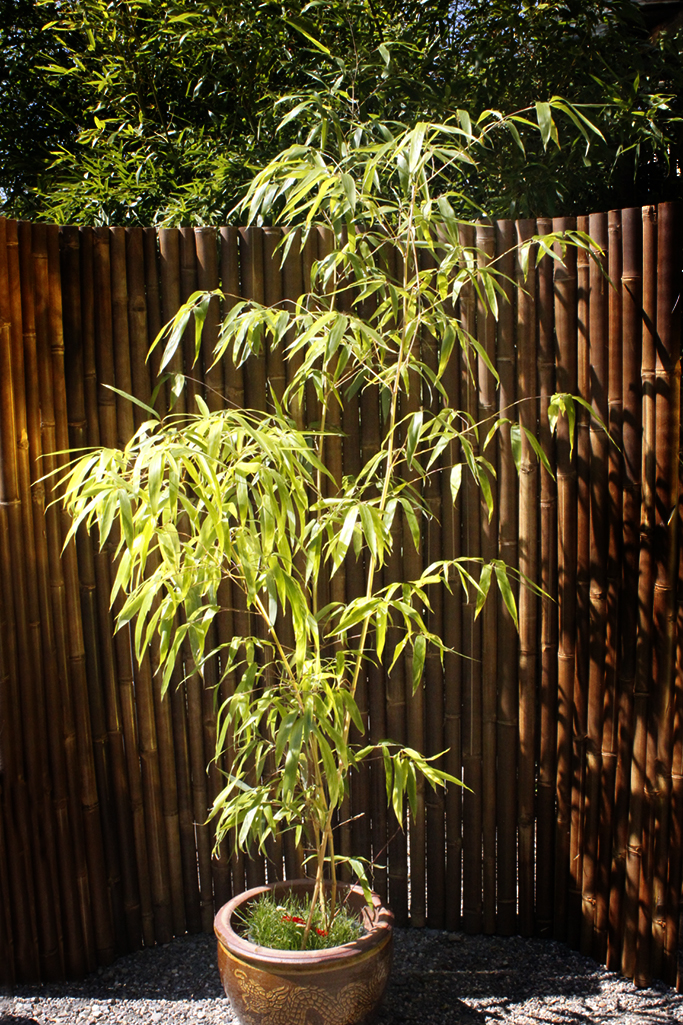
[{"x": 419, "y": 651}]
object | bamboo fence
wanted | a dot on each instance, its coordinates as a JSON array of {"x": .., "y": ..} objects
[{"x": 569, "y": 731}]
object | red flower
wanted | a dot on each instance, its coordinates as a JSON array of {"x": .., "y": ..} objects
[{"x": 293, "y": 918}]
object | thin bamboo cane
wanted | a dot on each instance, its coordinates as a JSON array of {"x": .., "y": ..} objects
[
  {"x": 610, "y": 738},
  {"x": 207, "y": 280},
  {"x": 631, "y": 293},
  {"x": 582, "y": 597},
  {"x": 30, "y": 663},
  {"x": 667, "y": 435},
  {"x": 545, "y": 827},
  {"x": 471, "y": 705},
  {"x": 188, "y": 285},
  {"x": 233, "y": 601},
  {"x": 89, "y": 843},
  {"x": 507, "y": 711},
  {"x": 488, "y": 408},
  {"x": 433, "y": 675},
  {"x": 598, "y": 581},
  {"x": 528, "y": 565},
  {"x": 370, "y": 445},
  {"x": 566, "y": 380},
  {"x": 638, "y": 807},
  {"x": 106, "y": 409}
]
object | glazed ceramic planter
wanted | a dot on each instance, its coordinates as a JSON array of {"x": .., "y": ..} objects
[{"x": 338, "y": 986}]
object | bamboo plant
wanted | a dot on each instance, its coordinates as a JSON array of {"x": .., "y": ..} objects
[{"x": 249, "y": 497}]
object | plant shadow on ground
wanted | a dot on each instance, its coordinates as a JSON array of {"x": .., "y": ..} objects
[{"x": 437, "y": 979}]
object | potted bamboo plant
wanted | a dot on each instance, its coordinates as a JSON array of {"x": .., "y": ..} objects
[{"x": 259, "y": 499}]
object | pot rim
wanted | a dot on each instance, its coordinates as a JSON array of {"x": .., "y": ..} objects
[{"x": 378, "y": 921}]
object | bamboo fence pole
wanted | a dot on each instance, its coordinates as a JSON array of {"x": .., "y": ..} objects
[
  {"x": 667, "y": 454},
  {"x": 206, "y": 243},
  {"x": 610, "y": 733},
  {"x": 122, "y": 641},
  {"x": 94, "y": 906},
  {"x": 599, "y": 525},
  {"x": 108, "y": 435},
  {"x": 566, "y": 381},
  {"x": 150, "y": 249},
  {"x": 90, "y": 385},
  {"x": 433, "y": 674},
  {"x": 673, "y": 910},
  {"x": 25, "y": 889},
  {"x": 507, "y": 711},
  {"x": 488, "y": 410},
  {"x": 233, "y": 602},
  {"x": 253, "y": 287},
  {"x": 273, "y": 296},
  {"x": 74, "y": 367},
  {"x": 152, "y": 760},
  {"x": 471, "y": 703},
  {"x": 40, "y": 429},
  {"x": 546, "y": 819},
  {"x": 8, "y": 974},
  {"x": 582, "y": 596},
  {"x": 144, "y": 686},
  {"x": 631, "y": 295},
  {"x": 169, "y": 251},
  {"x": 528, "y": 565},
  {"x": 188, "y": 284},
  {"x": 638, "y": 805}
]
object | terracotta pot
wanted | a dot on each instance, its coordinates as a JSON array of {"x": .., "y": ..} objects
[{"x": 338, "y": 986}]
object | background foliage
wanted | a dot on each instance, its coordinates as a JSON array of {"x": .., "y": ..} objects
[{"x": 144, "y": 111}]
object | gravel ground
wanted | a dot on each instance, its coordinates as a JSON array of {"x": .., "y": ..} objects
[{"x": 438, "y": 979}]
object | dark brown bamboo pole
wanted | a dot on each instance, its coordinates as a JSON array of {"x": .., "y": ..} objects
[
  {"x": 188, "y": 285},
  {"x": 126, "y": 677},
  {"x": 253, "y": 287},
  {"x": 488, "y": 408},
  {"x": 151, "y": 255},
  {"x": 673, "y": 911},
  {"x": 90, "y": 385},
  {"x": 138, "y": 327},
  {"x": 507, "y": 712},
  {"x": 234, "y": 619},
  {"x": 74, "y": 366},
  {"x": 25, "y": 893},
  {"x": 598, "y": 327},
  {"x": 8, "y": 972},
  {"x": 273, "y": 296},
  {"x": 638, "y": 807},
  {"x": 95, "y": 909},
  {"x": 169, "y": 278},
  {"x": 546, "y": 819},
  {"x": 631, "y": 294},
  {"x": 667, "y": 454},
  {"x": 610, "y": 733},
  {"x": 108, "y": 433},
  {"x": 207, "y": 280},
  {"x": 582, "y": 595},
  {"x": 17, "y": 473},
  {"x": 528, "y": 565},
  {"x": 27, "y": 618},
  {"x": 566, "y": 380},
  {"x": 433, "y": 674},
  {"x": 471, "y": 628}
]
